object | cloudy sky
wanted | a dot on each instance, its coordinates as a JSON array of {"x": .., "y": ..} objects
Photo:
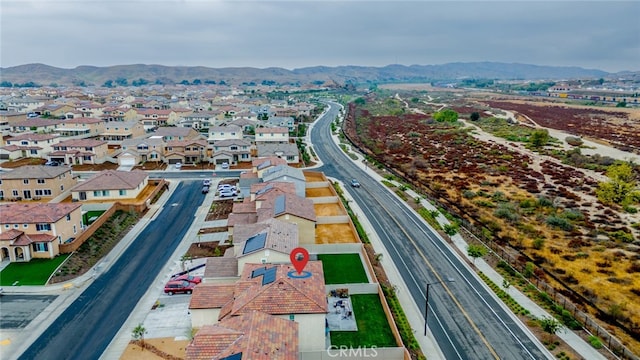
[{"x": 292, "y": 34}]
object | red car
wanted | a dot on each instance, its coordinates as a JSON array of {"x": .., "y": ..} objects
[
  {"x": 178, "y": 287},
  {"x": 189, "y": 278}
]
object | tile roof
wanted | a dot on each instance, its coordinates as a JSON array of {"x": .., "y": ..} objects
[
  {"x": 273, "y": 159},
  {"x": 285, "y": 295},
  {"x": 284, "y": 149},
  {"x": 35, "y": 172},
  {"x": 33, "y": 137},
  {"x": 280, "y": 236},
  {"x": 113, "y": 180},
  {"x": 255, "y": 335},
  {"x": 35, "y": 213},
  {"x": 235, "y": 219},
  {"x": 275, "y": 129},
  {"x": 28, "y": 239},
  {"x": 219, "y": 267},
  {"x": 282, "y": 171},
  {"x": 283, "y": 204},
  {"x": 207, "y": 296}
]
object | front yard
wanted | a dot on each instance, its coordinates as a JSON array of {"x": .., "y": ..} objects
[{"x": 34, "y": 272}]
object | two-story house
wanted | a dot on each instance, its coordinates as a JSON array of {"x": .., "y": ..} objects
[
  {"x": 139, "y": 150},
  {"x": 186, "y": 151},
  {"x": 121, "y": 130},
  {"x": 81, "y": 127},
  {"x": 228, "y": 132},
  {"x": 111, "y": 185},
  {"x": 231, "y": 151},
  {"x": 35, "y": 230},
  {"x": 80, "y": 151},
  {"x": 35, "y": 182},
  {"x": 29, "y": 145},
  {"x": 276, "y": 134},
  {"x": 36, "y": 125}
]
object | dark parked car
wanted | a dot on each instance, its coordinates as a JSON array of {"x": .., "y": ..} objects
[
  {"x": 52, "y": 163},
  {"x": 179, "y": 287},
  {"x": 205, "y": 189}
]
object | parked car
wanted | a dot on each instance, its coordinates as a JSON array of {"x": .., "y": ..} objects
[
  {"x": 178, "y": 165},
  {"x": 205, "y": 189},
  {"x": 206, "y": 182},
  {"x": 355, "y": 183},
  {"x": 179, "y": 287},
  {"x": 226, "y": 187},
  {"x": 52, "y": 163},
  {"x": 226, "y": 193},
  {"x": 225, "y": 165},
  {"x": 189, "y": 278}
]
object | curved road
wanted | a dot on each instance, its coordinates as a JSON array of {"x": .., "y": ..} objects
[
  {"x": 87, "y": 326},
  {"x": 466, "y": 319}
]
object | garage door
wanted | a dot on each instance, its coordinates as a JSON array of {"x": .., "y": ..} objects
[
  {"x": 174, "y": 161},
  {"x": 127, "y": 161}
]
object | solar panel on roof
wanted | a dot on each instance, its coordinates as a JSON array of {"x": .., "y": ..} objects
[
  {"x": 269, "y": 276},
  {"x": 256, "y": 242},
  {"x": 264, "y": 189},
  {"x": 237, "y": 356},
  {"x": 258, "y": 272},
  {"x": 264, "y": 165},
  {"x": 279, "y": 206}
]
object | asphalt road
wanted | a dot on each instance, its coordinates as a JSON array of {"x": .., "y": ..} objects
[
  {"x": 19, "y": 310},
  {"x": 465, "y": 318},
  {"x": 87, "y": 326}
]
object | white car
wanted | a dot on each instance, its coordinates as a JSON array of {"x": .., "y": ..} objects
[
  {"x": 178, "y": 165},
  {"x": 226, "y": 193},
  {"x": 226, "y": 187},
  {"x": 225, "y": 165},
  {"x": 206, "y": 182}
]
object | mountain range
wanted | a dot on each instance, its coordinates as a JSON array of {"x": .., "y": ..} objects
[{"x": 91, "y": 75}]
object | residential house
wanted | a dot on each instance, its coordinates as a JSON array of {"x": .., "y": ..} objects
[
  {"x": 286, "y": 151},
  {"x": 266, "y": 242},
  {"x": 23, "y": 104},
  {"x": 111, "y": 185},
  {"x": 277, "y": 134},
  {"x": 29, "y": 145},
  {"x": 270, "y": 289},
  {"x": 35, "y": 182},
  {"x": 121, "y": 130},
  {"x": 186, "y": 151},
  {"x": 228, "y": 132},
  {"x": 290, "y": 208},
  {"x": 80, "y": 151},
  {"x": 35, "y": 230},
  {"x": 54, "y": 110},
  {"x": 36, "y": 125},
  {"x": 139, "y": 150},
  {"x": 253, "y": 335},
  {"x": 282, "y": 121},
  {"x": 231, "y": 151},
  {"x": 248, "y": 125},
  {"x": 84, "y": 127},
  {"x": 178, "y": 133},
  {"x": 288, "y": 174},
  {"x": 119, "y": 113},
  {"x": 261, "y": 164}
]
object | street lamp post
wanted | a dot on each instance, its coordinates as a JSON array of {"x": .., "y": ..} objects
[{"x": 426, "y": 303}]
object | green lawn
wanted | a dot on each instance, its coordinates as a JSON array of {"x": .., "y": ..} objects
[
  {"x": 342, "y": 269},
  {"x": 34, "y": 272},
  {"x": 89, "y": 214},
  {"x": 373, "y": 328}
]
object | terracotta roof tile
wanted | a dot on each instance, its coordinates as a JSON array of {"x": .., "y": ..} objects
[
  {"x": 36, "y": 172},
  {"x": 218, "y": 267},
  {"x": 112, "y": 180},
  {"x": 207, "y": 296},
  {"x": 34, "y": 213}
]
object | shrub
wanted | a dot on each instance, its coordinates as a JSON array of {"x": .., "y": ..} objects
[
  {"x": 450, "y": 229},
  {"x": 508, "y": 212},
  {"x": 538, "y": 243},
  {"x": 468, "y": 194},
  {"x": 558, "y": 222},
  {"x": 544, "y": 202},
  {"x": 595, "y": 342}
]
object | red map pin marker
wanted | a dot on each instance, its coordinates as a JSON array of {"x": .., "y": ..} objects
[{"x": 299, "y": 258}]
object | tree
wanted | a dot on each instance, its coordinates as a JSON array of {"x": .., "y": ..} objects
[
  {"x": 475, "y": 116},
  {"x": 184, "y": 82},
  {"x": 550, "y": 325},
  {"x": 121, "y": 81},
  {"x": 197, "y": 82},
  {"x": 476, "y": 251},
  {"x": 621, "y": 187},
  {"x": 450, "y": 229},
  {"x": 616, "y": 310},
  {"x": 6, "y": 84},
  {"x": 506, "y": 284},
  {"x": 138, "y": 334},
  {"x": 447, "y": 115},
  {"x": 539, "y": 138}
]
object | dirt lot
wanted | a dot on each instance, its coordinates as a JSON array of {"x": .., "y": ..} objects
[
  {"x": 156, "y": 349},
  {"x": 206, "y": 249},
  {"x": 570, "y": 237},
  {"x": 219, "y": 210},
  {"x": 335, "y": 234}
]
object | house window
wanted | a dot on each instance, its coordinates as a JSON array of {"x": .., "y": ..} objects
[
  {"x": 292, "y": 317},
  {"x": 15, "y": 226},
  {"x": 25, "y": 181},
  {"x": 25, "y": 225},
  {"x": 33, "y": 152},
  {"x": 43, "y": 227},
  {"x": 40, "y": 181},
  {"x": 40, "y": 247},
  {"x": 15, "y": 193},
  {"x": 96, "y": 193},
  {"x": 61, "y": 187},
  {"x": 74, "y": 229},
  {"x": 24, "y": 143},
  {"x": 244, "y": 156},
  {"x": 68, "y": 217},
  {"x": 6, "y": 226},
  {"x": 123, "y": 192},
  {"x": 291, "y": 158},
  {"x": 105, "y": 192}
]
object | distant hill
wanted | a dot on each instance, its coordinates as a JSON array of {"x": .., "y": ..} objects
[{"x": 91, "y": 75}]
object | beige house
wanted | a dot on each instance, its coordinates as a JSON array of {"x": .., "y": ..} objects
[
  {"x": 35, "y": 230},
  {"x": 267, "y": 242},
  {"x": 36, "y": 182},
  {"x": 37, "y": 125},
  {"x": 272, "y": 289},
  {"x": 293, "y": 209},
  {"x": 80, "y": 151},
  {"x": 29, "y": 145},
  {"x": 111, "y": 185},
  {"x": 81, "y": 127},
  {"x": 139, "y": 150},
  {"x": 121, "y": 130},
  {"x": 277, "y": 134},
  {"x": 186, "y": 151}
]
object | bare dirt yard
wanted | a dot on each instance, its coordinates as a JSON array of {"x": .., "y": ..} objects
[{"x": 544, "y": 210}]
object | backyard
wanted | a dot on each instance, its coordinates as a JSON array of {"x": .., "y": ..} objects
[
  {"x": 343, "y": 269},
  {"x": 373, "y": 328}
]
